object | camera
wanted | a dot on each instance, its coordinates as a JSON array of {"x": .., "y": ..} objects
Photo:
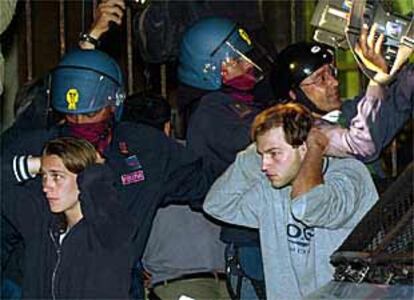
[{"x": 331, "y": 19}]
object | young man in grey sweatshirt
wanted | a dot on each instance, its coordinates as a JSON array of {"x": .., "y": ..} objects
[{"x": 303, "y": 203}]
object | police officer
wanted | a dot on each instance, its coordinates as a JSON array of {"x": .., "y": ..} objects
[
  {"x": 151, "y": 169},
  {"x": 214, "y": 58}
]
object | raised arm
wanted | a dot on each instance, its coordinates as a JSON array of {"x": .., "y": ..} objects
[
  {"x": 236, "y": 196},
  {"x": 310, "y": 172},
  {"x": 106, "y": 12},
  {"x": 396, "y": 109},
  {"x": 101, "y": 207},
  {"x": 383, "y": 110},
  {"x": 21, "y": 196},
  {"x": 347, "y": 190},
  {"x": 356, "y": 140}
]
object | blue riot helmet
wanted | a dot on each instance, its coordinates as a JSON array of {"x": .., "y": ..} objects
[
  {"x": 86, "y": 81},
  {"x": 206, "y": 45}
]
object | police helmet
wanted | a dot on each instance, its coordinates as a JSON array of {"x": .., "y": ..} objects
[
  {"x": 295, "y": 63},
  {"x": 86, "y": 81},
  {"x": 204, "y": 47}
]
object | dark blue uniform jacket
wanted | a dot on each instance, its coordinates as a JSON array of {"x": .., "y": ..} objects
[
  {"x": 151, "y": 170},
  {"x": 218, "y": 130}
]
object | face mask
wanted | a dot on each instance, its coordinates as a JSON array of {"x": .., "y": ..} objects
[
  {"x": 244, "y": 82},
  {"x": 98, "y": 134}
]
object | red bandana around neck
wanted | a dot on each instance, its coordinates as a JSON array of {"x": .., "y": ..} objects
[{"x": 98, "y": 134}]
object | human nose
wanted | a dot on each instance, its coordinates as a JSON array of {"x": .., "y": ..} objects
[
  {"x": 77, "y": 119},
  {"x": 47, "y": 184},
  {"x": 265, "y": 163}
]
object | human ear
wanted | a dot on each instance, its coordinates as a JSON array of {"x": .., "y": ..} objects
[{"x": 303, "y": 149}]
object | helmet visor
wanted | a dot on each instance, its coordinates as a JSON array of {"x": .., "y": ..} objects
[
  {"x": 234, "y": 56},
  {"x": 77, "y": 90}
]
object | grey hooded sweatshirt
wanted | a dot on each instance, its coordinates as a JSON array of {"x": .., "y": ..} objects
[{"x": 297, "y": 236}]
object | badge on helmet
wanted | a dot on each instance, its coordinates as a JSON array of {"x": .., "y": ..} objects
[
  {"x": 243, "y": 34},
  {"x": 86, "y": 81},
  {"x": 204, "y": 47},
  {"x": 72, "y": 97}
]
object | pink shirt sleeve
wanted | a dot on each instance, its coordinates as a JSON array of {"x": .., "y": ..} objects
[{"x": 356, "y": 140}]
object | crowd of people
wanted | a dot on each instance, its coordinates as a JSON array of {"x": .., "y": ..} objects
[{"x": 105, "y": 204}]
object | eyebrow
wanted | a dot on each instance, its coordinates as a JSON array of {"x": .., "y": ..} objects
[
  {"x": 42, "y": 171},
  {"x": 268, "y": 150}
]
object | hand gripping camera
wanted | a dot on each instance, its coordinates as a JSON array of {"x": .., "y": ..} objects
[{"x": 338, "y": 24}]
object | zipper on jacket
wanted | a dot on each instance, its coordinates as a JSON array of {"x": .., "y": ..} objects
[{"x": 58, "y": 252}]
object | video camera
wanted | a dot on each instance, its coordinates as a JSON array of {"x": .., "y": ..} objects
[{"x": 331, "y": 21}]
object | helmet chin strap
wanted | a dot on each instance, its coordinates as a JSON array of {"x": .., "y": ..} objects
[{"x": 304, "y": 100}]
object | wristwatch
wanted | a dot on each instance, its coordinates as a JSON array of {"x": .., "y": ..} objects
[{"x": 86, "y": 37}]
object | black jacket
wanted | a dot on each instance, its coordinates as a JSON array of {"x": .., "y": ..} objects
[
  {"x": 94, "y": 258},
  {"x": 218, "y": 130},
  {"x": 151, "y": 170}
]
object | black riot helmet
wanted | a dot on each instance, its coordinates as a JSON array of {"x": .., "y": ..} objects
[{"x": 294, "y": 64}]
